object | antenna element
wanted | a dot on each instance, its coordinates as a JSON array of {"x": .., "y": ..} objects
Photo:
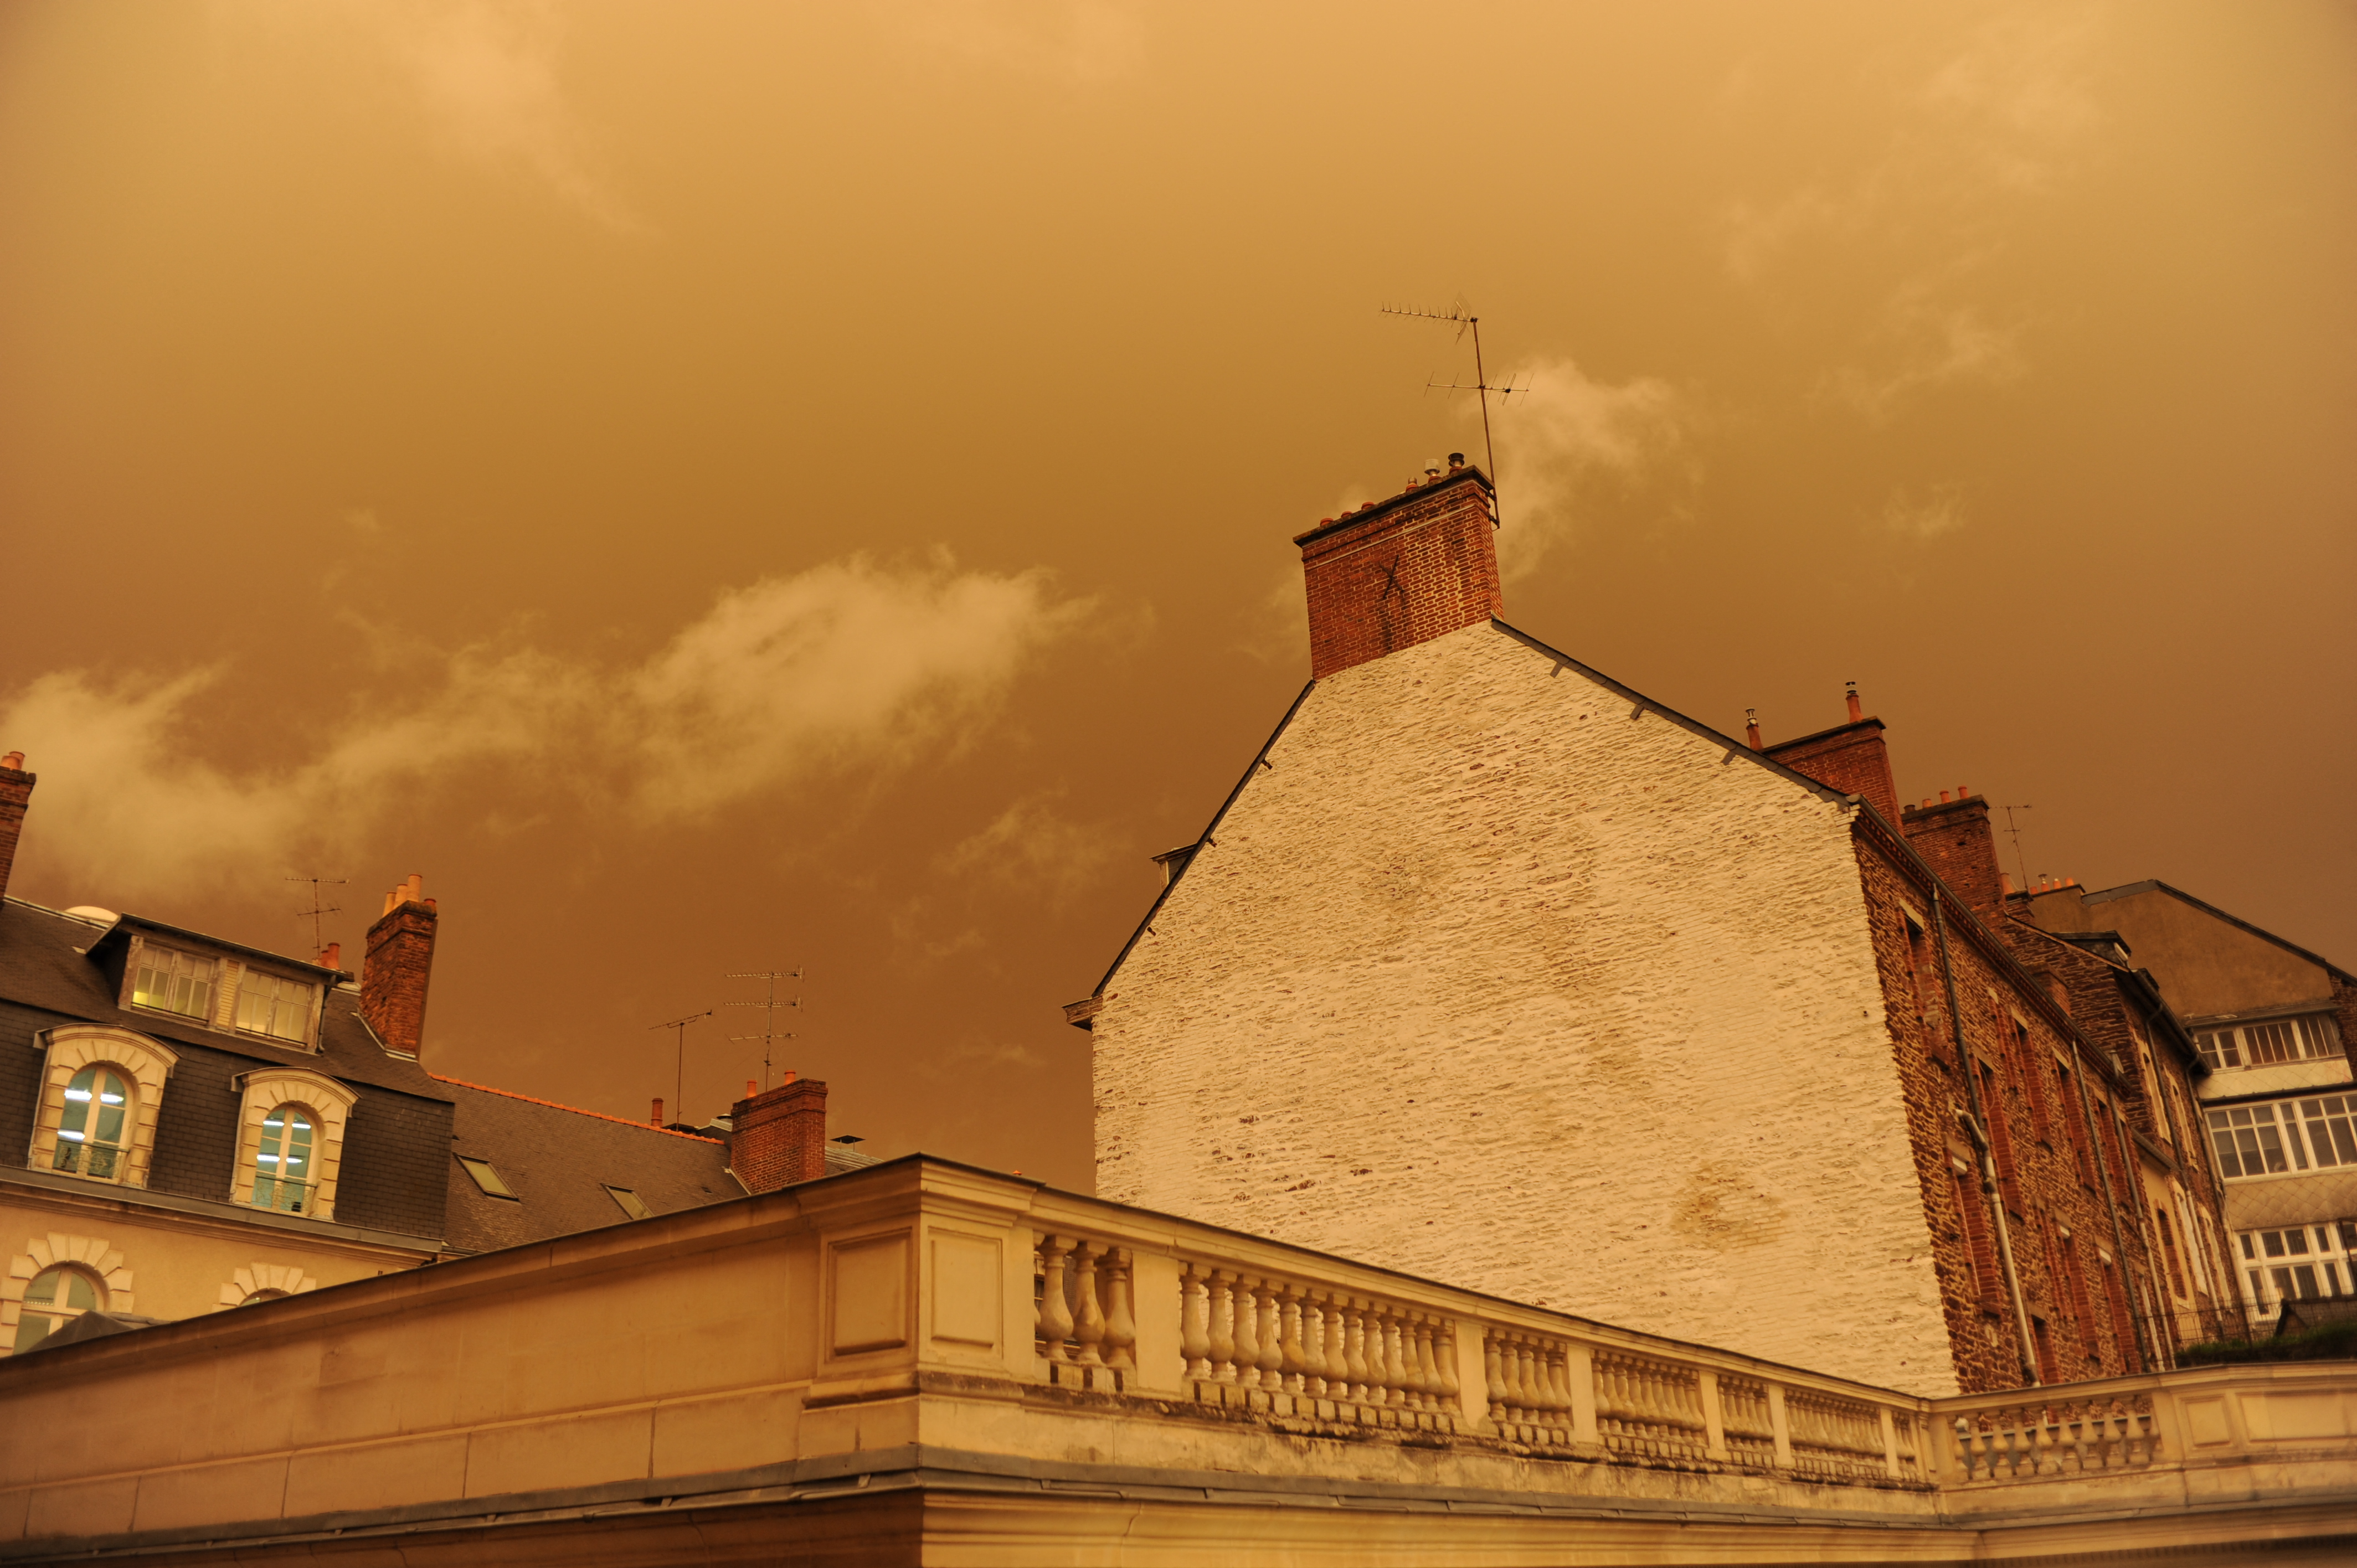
[
  {"x": 770, "y": 1033},
  {"x": 1462, "y": 313}
]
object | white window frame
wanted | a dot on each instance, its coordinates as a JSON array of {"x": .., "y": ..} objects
[
  {"x": 264, "y": 1090},
  {"x": 2325, "y": 1248},
  {"x": 143, "y": 1064},
  {"x": 265, "y": 1281},
  {"x": 2291, "y": 1119},
  {"x": 243, "y": 976},
  {"x": 2317, "y": 1035}
]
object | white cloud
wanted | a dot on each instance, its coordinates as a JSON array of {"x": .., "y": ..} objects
[
  {"x": 785, "y": 681},
  {"x": 1568, "y": 433},
  {"x": 1031, "y": 845},
  {"x": 1926, "y": 518},
  {"x": 1074, "y": 41}
]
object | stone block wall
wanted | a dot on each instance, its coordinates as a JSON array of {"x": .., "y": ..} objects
[{"x": 1498, "y": 976}]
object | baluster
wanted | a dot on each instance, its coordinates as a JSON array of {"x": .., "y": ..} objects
[
  {"x": 1355, "y": 1349},
  {"x": 1554, "y": 1393},
  {"x": 1451, "y": 1391},
  {"x": 1964, "y": 1453},
  {"x": 1292, "y": 1366},
  {"x": 1394, "y": 1359},
  {"x": 1272, "y": 1350},
  {"x": 1121, "y": 1322},
  {"x": 1494, "y": 1372},
  {"x": 1089, "y": 1323},
  {"x": 1418, "y": 1348},
  {"x": 1338, "y": 1346},
  {"x": 1194, "y": 1334},
  {"x": 1313, "y": 1346},
  {"x": 1055, "y": 1311},
  {"x": 1222, "y": 1322},
  {"x": 1247, "y": 1317}
]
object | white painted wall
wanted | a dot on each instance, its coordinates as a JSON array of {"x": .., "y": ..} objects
[{"x": 1487, "y": 980}]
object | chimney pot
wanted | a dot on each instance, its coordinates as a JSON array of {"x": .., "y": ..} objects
[
  {"x": 1943, "y": 797},
  {"x": 331, "y": 956},
  {"x": 15, "y": 760},
  {"x": 1856, "y": 712},
  {"x": 752, "y": 1088},
  {"x": 1751, "y": 727},
  {"x": 1457, "y": 459},
  {"x": 654, "y": 1117}
]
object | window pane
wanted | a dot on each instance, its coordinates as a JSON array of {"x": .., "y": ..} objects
[
  {"x": 79, "y": 1294},
  {"x": 43, "y": 1290},
  {"x": 31, "y": 1329},
  {"x": 2305, "y": 1274}
]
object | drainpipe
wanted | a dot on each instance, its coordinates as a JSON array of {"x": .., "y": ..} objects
[
  {"x": 2103, "y": 1175},
  {"x": 1977, "y": 1126}
]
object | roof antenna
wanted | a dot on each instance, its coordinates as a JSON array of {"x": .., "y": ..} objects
[
  {"x": 770, "y": 1033},
  {"x": 2014, "y": 829},
  {"x": 1462, "y": 313},
  {"x": 681, "y": 1023},
  {"x": 318, "y": 911}
]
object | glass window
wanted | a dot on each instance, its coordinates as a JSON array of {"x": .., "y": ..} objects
[
  {"x": 282, "y": 1165},
  {"x": 55, "y": 1298},
  {"x": 2331, "y": 1140},
  {"x": 175, "y": 982},
  {"x": 487, "y": 1178},
  {"x": 267, "y": 1004},
  {"x": 2301, "y": 1262},
  {"x": 2305, "y": 1038},
  {"x": 90, "y": 1134},
  {"x": 2249, "y": 1145},
  {"x": 633, "y": 1204}
]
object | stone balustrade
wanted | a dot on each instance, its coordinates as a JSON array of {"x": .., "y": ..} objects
[{"x": 1025, "y": 1367}]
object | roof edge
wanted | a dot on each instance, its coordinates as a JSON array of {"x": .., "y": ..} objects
[
  {"x": 2153, "y": 882},
  {"x": 554, "y": 1105}
]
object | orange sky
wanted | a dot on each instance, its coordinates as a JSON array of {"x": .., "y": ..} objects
[{"x": 719, "y": 486}]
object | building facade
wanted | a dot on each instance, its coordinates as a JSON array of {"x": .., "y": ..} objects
[
  {"x": 188, "y": 1124},
  {"x": 1494, "y": 970},
  {"x": 2278, "y": 1106}
]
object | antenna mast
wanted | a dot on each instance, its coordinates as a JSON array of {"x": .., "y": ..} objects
[
  {"x": 2014, "y": 829},
  {"x": 1463, "y": 314},
  {"x": 679, "y": 1088},
  {"x": 769, "y": 1010},
  {"x": 318, "y": 912}
]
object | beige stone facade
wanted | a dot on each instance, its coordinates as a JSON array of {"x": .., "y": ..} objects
[{"x": 1497, "y": 974}]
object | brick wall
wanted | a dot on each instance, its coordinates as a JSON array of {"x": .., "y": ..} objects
[
  {"x": 395, "y": 974},
  {"x": 779, "y": 1136},
  {"x": 1851, "y": 759},
  {"x": 16, "y": 795},
  {"x": 1956, "y": 839},
  {"x": 1490, "y": 979},
  {"x": 1399, "y": 572}
]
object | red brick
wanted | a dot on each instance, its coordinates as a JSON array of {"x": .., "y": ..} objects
[{"x": 1404, "y": 571}]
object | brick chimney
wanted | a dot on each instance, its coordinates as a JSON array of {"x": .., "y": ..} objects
[
  {"x": 1955, "y": 840},
  {"x": 16, "y": 795},
  {"x": 779, "y": 1136},
  {"x": 1404, "y": 571},
  {"x": 1849, "y": 757},
  {"x": 398, "y": 962}
]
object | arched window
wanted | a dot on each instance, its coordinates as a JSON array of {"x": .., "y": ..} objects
[
  {"x": 55, "y": 1298},
  {"x": 282, "y": 1166},
  {"x": 90, "y": 1134}
]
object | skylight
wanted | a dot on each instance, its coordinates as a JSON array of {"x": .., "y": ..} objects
[
  {"x": 633, "y": 1204},
  {"x": 487, "y": 1178}
]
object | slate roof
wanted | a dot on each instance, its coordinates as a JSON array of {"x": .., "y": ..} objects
[{"x": 558, "y": 1161}]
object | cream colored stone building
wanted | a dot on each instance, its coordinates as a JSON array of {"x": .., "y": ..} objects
[{"x": 1496, "y": 971}]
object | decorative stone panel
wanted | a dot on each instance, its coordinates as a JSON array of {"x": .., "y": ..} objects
[
  {"x": 91, "y": 1254},
  {"x": 265, "y": 1279}
]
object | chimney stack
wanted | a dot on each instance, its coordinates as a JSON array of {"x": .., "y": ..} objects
[
  {"x": 399, "y": 961},
  {"x": 1402, "y": 570},
  {"x": 1955, "y": 840},
  {"x": 1850, "y": 758},
  {"x": 332, "y": 956},
  {"x": 16, "y": 795},
  {"x": 778, "y": 1137}
]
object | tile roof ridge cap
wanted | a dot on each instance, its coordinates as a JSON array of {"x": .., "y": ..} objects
[{"x": 554, "y": 1105}]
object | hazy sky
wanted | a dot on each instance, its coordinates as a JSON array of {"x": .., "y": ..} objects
[{"x": 719, "y": 486}]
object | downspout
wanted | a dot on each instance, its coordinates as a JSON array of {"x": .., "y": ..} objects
[
  {"x": 2103, "y": 1175},
  {"x": 1979, "y": 1129}
]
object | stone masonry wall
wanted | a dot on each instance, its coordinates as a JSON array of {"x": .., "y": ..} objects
[{"x": 1489, "y": 979}]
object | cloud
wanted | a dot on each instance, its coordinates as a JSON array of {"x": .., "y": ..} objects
[
  {"x": 1569, "y": 434},
  {"x": 1031, "y": 846},
  {"x": 1905, "y": 245},
  {"x": 785, "y": 681},
  {"x": 1937, "y": 514},
  {"x": 487, "y": 77},
  {"x": 1074, "y": 41}
]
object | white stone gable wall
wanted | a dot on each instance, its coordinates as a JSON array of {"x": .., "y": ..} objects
[{"x": 1485, "y": 980}]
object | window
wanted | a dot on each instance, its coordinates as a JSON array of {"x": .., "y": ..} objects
[
  {"x": 488, "y": 1179},
  {"x": 2285, "y": 1135},
  {"x": 2300, "y": 1262},
  {"x": 2000, "y": 1131},
  {"x": 1919, "y": 970},
  {"x": 267, "y": 1004},
  {"x": 55, "y": 1298},
  {"x": 2072, "y": 1124},
  {"x": 174, "y": 982},
  {"x": 2169, "y": 1251},
  {"x": 282, "y": 1164},
  {"x": 2275, "y": 1041},
  {"x": 91, "y": 1135},
  {"x": 633, "y": 1204}
]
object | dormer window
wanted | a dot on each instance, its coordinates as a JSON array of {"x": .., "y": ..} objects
[
  {"x": 267, "y": 1004},
  {"x": 174, "y": 982},
  {"x": 90, "y": 1132}
]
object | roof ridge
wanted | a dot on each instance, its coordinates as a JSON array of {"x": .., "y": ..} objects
[{"x": 552, "y": 1105}]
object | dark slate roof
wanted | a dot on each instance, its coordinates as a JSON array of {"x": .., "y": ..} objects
[
  {"x": 558, "y": 1161},
  {"x": 44, "y": 963}
]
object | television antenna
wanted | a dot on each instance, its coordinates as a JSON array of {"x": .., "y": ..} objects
[
  {"x": 320, "y": 909},
  {"x": 1463, "y": 314},
  {"x": 681, "y": 1023},
  {"x": 2014, "y": 829},
  {"x": 770, "y": 1033}
]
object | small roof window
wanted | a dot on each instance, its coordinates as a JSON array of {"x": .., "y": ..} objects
[
  {"x": 633, "y": 1204},
  {"x": 487, "y": 1177}
]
